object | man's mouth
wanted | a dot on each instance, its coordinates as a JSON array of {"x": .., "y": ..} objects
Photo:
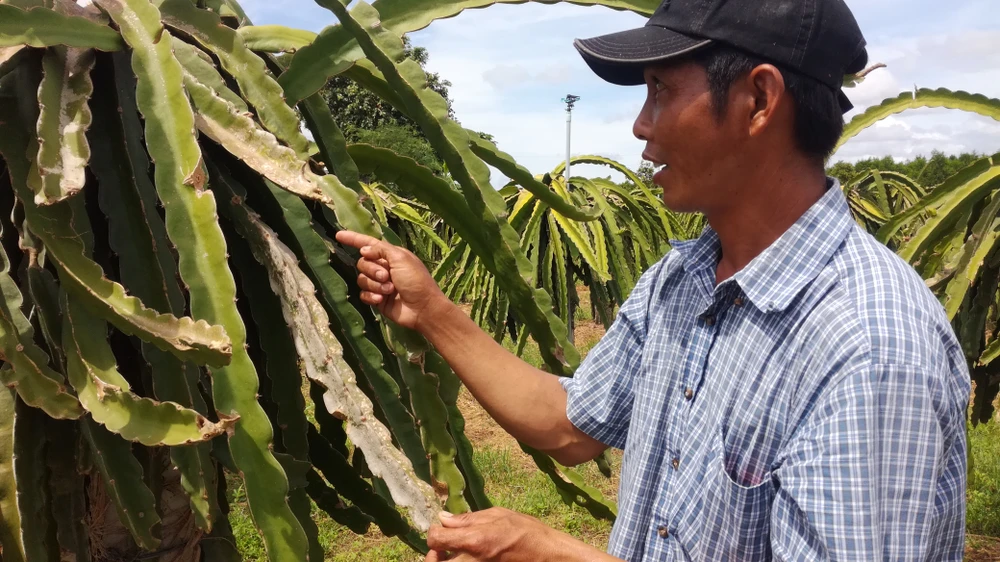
[{"x": 657, "y": 165}]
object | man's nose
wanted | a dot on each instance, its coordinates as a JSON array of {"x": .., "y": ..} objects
[{"x": 643, "y": 125}]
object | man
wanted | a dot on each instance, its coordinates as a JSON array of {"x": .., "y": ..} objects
[{"x": 784, "y": 387}]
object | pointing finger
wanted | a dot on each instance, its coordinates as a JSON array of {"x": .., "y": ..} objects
[{"x": 355, "y": 239}]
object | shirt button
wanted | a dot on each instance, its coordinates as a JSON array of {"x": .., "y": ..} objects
[
  {"x": 709, "y": 320},
  {"x": 738, "y": 301},
  {"x": 662, "y": 531},
  {"x": 688, "y": 393},
  {"x": 675, "y": 463}
]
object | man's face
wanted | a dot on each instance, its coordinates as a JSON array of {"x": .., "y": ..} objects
[{"x": 699, "y": 151}]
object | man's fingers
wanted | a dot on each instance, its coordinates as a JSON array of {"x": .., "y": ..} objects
[
  {"x": 355, "y": 239},
  {"x": 373, "y": 270},
  {"x": 472, "y": 518},
  {"x": 368, "y": 284},
  {"x": 453, "y": 540},
  {"x": 371, "y": 298}
]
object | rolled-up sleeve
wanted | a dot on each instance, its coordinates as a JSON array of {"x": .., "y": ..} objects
[
  {"x": 877, "y": 472},
  {"x": 599, "y": 396}
]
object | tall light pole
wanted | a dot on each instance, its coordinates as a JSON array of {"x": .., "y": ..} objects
[{"x": 569, "y": 100}]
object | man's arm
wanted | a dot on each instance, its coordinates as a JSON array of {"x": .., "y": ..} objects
[
  {"x": 501, "y": 535},
  {"x": 528, "y": 403}
]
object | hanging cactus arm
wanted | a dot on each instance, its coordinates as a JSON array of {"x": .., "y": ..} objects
[
  {"x": 430, "y": 400},
  {"x": 507, "y": 166},
  {"x": 971, "y": 178},
  {"x": 981, "y": 242},
  {"x": 43, "y": 27},
  {"x": 451, "y": 206},
  {"x": 573, "y": 488},
  {"x": 102, "y": 390},
  {"x": 430, "y": 409},
  {"x": 654, "y": 201},
  {"x": 260, "y": 150},
  {"x": 335, "y": 292},
  {"x": 10, "y": 519},
  {"x": 274, "y": 38},
  {"x": 590, "y": 250},
  {"x": 323, "y": 361},
  {"x": 622, "y": 272},
  {"x": 63, "y": 151},
  {"x": 193, "y": 227},
  {"x": 256, "y": 84},
  {"x": 335, "y": 48},
  {"x": 34, "y": 502},
  {"x": 241, "y": 136},
  {"x": 561, "y": 286},
  {"x": 450, "y": 385},
  {"x": 122, "y": 476},
  {"x": 953, "y": 204},
  {"x": 357, "y": 490},
  {"x": 127, "y": 196},
  {"x": 68, "y": 490},
  {"x": 30, "y": 375},
  {"x": 975, "y": 103},
  {"x": 53, "y": 225},
  {"x": 199, "y": 65},
  {"x": 326, "y": 498}
]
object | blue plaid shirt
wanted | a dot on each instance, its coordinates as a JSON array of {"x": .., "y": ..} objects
[{"x": 811, "y": 407}]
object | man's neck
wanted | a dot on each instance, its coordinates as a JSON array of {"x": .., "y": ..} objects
[{"x": 768, "y": 205}]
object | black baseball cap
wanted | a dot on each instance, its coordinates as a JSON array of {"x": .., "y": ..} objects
[{"x": 817, "y": 38}]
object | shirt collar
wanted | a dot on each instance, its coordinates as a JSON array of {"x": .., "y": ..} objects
[{"x": 776, "y": 276}]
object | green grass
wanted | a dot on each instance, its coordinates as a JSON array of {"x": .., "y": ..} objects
[{"x": 983, "y": 513}]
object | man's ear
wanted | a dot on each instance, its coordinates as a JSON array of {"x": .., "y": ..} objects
[{"x": 766, "y": 87}]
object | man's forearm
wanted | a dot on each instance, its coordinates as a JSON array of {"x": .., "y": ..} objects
[
  {"x": 527, "y": 402},
  {"x": 575, "y": 550}
]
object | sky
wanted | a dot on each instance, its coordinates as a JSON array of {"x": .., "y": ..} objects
[{"x": 510, "y": 66}]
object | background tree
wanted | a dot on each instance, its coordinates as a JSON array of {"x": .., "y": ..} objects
[
  {"x": 367, "y": 118},
  {"x": 926, "y": 171}
]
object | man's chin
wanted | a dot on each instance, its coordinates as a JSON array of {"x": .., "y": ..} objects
[{"x": 677, "y": 203}]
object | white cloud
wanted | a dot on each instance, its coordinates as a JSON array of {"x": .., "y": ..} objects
[
  {"x": 881, "y": 84},
  {"x": 511, "y": 76},
  {"x": 926, "y": 130}
]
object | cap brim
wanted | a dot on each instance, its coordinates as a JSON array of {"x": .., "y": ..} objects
[
  {"x": 845, "y": 103},
  {"x": 619, "y": 58}
]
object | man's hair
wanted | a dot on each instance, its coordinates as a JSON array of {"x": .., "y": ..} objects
[{"x": 819, "y": 121}]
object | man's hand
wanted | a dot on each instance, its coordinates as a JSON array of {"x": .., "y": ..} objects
[
  {"x": 394, "y": 280},
  {"x": 501, "y": 535}
]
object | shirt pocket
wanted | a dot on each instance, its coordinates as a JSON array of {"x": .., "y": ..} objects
[{"x": 737, "y": 517}]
